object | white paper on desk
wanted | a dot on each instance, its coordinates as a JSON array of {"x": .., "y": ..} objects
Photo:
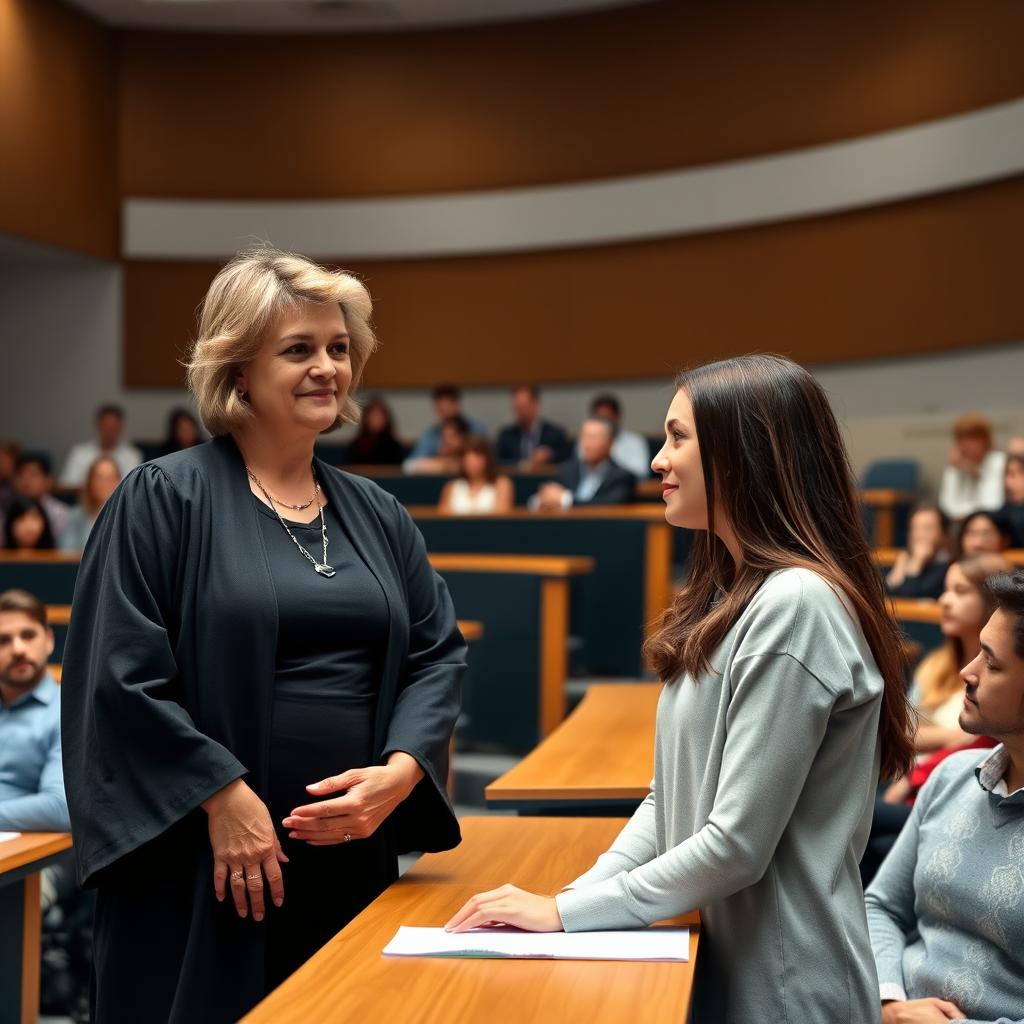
[
  {"x": 671, "y": 944},
  {"x": 4, "y": 836}
]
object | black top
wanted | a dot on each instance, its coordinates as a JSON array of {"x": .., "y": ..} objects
[
  {"x": 332, "y": 632},
  {"x": 928, "y": 583},
  {"x": 375, "y": 450},
  {"x": 512, "y": 446},
  {"x": 1013, "y": 513},
  {"x": 617, "y": 488}
]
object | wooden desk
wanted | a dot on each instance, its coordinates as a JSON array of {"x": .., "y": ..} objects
[
  {"x": 883, "y": 504},
  {"x": 632, "y": 549},
  {"x": 471, "y": 631},
  {"x": 349, "y": 981},
  {"x": 908, "y": 609},
  {"x": 21, "y": 860},
  {"x": 598, "y": 761},
  {"x": 522, "y": 669},
  {"x": 886, "y": 557}
]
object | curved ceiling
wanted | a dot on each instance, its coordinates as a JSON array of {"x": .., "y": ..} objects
[{"x": 328, "y": 15}]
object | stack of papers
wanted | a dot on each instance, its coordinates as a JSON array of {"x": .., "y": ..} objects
[
  {"x": 4, "y": 836},
  {"x": 668, "y": 944}
]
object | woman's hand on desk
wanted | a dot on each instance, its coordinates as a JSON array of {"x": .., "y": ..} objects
[
  {"x": 508, "y": 905},
  {"x": 370, "y": 795}
]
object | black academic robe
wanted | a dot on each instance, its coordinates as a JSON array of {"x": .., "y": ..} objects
[{"x": 167, "y": 694}]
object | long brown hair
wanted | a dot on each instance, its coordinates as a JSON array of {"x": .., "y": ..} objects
[
  {"x": 774, "y": 459},
  {"x": 938, "y": 675}
]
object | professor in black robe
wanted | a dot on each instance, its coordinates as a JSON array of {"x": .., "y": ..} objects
[{"x": 193, "y": 661}]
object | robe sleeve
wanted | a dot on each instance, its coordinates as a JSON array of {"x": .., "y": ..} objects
[
  {"x": 134, "y": 761},
  {"x": 428, "y": 702}
]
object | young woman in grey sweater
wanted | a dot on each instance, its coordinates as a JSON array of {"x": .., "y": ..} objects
[{"x": 784, "y": 701}]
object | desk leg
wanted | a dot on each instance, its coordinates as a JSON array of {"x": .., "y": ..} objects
[
  {"x": 657, "y": 573},
  {"x": 20, "y": 936},
  {"x": 885, "y": 527},
  {"x": 554, "y": 656}
]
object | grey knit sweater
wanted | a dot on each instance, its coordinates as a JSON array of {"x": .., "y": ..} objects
[
  {"x": 759, "y": 810},
  {"x": 946, "y": 909}
]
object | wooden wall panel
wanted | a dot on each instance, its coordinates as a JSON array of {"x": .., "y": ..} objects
[
  {"x": 937, "y": 273},
  {"x": 58, "y": 169},
  {"x": 659, "y": 86}
]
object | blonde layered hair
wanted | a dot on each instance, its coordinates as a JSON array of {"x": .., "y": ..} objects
[{"x": 244, "y": 299}]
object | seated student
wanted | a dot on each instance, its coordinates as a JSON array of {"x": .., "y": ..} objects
[
  {"x": 182, "y": 432},
  {"x": 1015, "y": 446},
  {"x": 33, "y": 479},
  {"x": 591, "y": 478},
  {"x": 9, "y": 452},
  {"x": 936, "y": 694},
  {"x": 375, "y": 444},
  {"x": 1012, "y": 511},
  {"x": 31, "y": 776},
  {"x": 100, "y": 484},
  {"x": 479, "y": 487},
  {"x": 109, "y": 426},
  {"x": 629, "y": 450},
  {"x": 920, "y": 570},
  {"x": 447, "y": 461},
  {"x": 531, "y": 442},
  {"x": 946, "y": 909},
  {"x": 447, "y": 404},
  {"x": 983, "y": 533},
  {"x": 973, "y": 479},
  {"x": 26, "y": 527}
]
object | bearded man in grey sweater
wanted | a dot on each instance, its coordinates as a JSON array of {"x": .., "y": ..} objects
[{"x": 946, "y": 909}]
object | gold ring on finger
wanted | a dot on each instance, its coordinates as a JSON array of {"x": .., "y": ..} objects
[
  {"x": 252, "y": 877},
  {"x": 348, "y": 838},
  {"x": 237, "y": 874}
]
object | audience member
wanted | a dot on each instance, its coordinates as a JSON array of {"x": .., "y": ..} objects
[
  {"x": 944, "y": 911},
  {"x": 100, "y": 484},
  {"x": 26, "y": 527},
  {"x": 454, "y": 432},
  {"x": 936, "y": 695},
  {"x": 590, "y": 478},
  {"x": 629, "y": 450},
  {"x": 983, "y": 533},
  {"x": 109, "y": 426},
  {"x": 1013, "y": 511},
  {"x": 33, "y": 479},
  {"x": 479, "y": 487},
  {"x": 182, "y": 432},
  {"x": 973, "y": 479},
  {"x": 31, "y": 776},
  {"x": 920, "y": 570},
  {"x": 376, "y": 444},
  {"x": 531, "y": 442},
  {"x": 9, "y": 452},
  {"x": 1015, "y": 446},
  {"x": 447, "y": 405}
]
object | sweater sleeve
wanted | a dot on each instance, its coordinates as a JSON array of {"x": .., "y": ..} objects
[
  {"x": 634, "y": 845},
  {"x": 774, "y": 695},
  {"x": 889, "y": 902}
]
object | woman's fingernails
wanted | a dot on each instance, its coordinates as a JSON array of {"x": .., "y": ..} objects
[
  {"x": 257, "y": 917},
  {"x": 278, "y": 902},
  {"x": 293, "y": 835}
]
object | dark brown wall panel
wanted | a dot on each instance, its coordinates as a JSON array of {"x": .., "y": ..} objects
[
  {"x": 58, "y": 160},
  {"x": 933, "y": 274},
  {"x": 658, "y": 86}
]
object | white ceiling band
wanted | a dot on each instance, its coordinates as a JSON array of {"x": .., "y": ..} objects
[{"x": 954, "y": 152}]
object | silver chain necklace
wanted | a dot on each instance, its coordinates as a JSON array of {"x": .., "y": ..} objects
[{"x": 321, "y": 567}]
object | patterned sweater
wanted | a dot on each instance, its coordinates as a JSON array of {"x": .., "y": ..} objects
[{"x": 946, "y": 909}]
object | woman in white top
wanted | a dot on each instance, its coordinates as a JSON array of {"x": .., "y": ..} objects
[
  {"x": 479, "y": 489},
  {"x": 974, "y": 477}
]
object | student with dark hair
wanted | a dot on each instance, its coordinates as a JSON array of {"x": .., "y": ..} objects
[
  {"x": 920, "y": 569},
  {"x": 375, "y": 444},
  {"x": 629, "y": 449},
  {"x": 108, "y": 441},
  {"x": 1013, "y": 511},
  {"x": 479, "y": 488},
  {"x": 33, "y": 480},
  {"x": 27, "y": 528},
  {"x": 182, "y": 431},
  {"x": 983, "y": 533},
  {"x": 946, "y": 909},
  {"x": 447, "y": 399},
  {"x": 531, "y": 441},
  {"x": 783, "y": 701},
  {"x": 455, "y": 432}
]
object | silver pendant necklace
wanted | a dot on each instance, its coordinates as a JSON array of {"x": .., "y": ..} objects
[{"x": 321, "y": 567}]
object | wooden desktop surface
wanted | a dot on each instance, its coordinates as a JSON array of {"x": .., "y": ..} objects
[
  {"x": 31, "y": 846},
  {"x": 645, "y": 512},
  {"x": 537, "y": 565},
  {"x": 603, "y": 751},
  {"x": 908, "y": 609},
  {"x": 349, "y": 980},
  {"x": 886, "y": 557}
]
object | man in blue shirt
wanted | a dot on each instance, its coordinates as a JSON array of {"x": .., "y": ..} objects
[
  {"x": 31, "y": 775},
  {"x": 447, "y": 405}
]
